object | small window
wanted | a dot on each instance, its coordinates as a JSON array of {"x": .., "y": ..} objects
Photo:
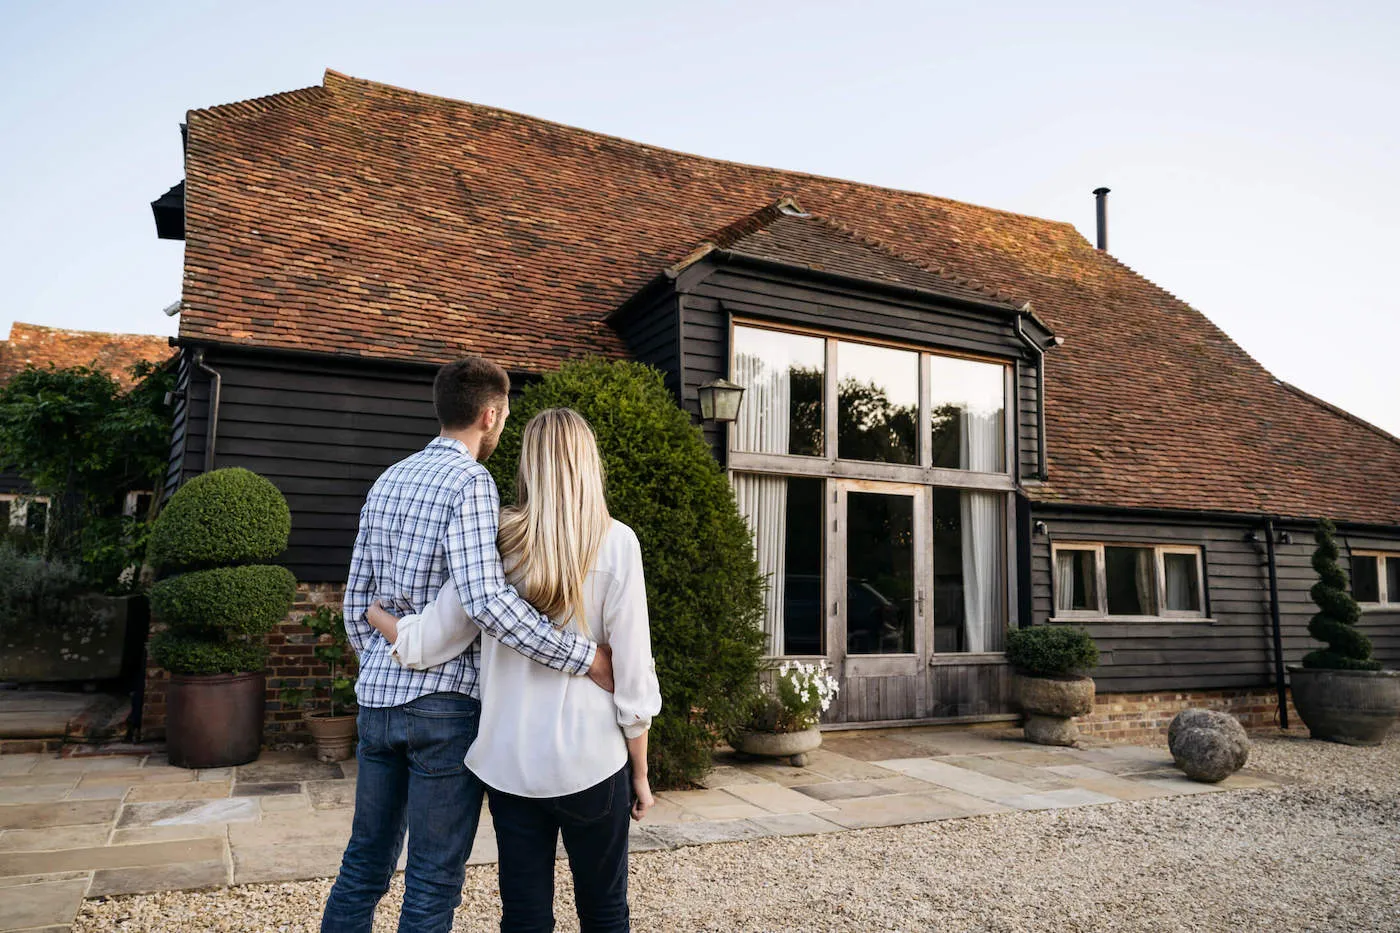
[
  {"x": 1128, "y": 581},
  {"x": 1375, "y": 578}
]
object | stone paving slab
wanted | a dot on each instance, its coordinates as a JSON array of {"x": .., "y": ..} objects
[{"x": 98, "y": 827}]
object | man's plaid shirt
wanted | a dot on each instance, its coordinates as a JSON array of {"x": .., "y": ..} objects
[{"x": 428, "y": 519}]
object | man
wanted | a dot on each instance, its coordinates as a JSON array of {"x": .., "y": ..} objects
[{"x": 429, "y": 520}]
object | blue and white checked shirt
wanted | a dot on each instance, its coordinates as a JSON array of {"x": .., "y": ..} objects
[{"x": 430, "y": 518}]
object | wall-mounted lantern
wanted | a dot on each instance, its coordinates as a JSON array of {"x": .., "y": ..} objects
[{"x": 719, "y": 401}]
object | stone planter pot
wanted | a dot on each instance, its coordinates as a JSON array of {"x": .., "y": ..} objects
[
  {"x": 1351, "y": 707},
  {"x": 87, "y": 640},
  {"x": 793, "y": 746},
  {"x": 214, "y": 720},
  {"x": 1050, "y": 705},
  {"x": 334, "y": 735}
]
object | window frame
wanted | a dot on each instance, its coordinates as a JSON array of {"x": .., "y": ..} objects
[
  {"x": 1386, "y": 601},
  {"x": 835, "y": 470},
  {"x": 1101, "y": 614},
  {"x": 19, "y": 510}
]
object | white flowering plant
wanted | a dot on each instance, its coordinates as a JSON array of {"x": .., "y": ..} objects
[{"x": 797, "y": 697}]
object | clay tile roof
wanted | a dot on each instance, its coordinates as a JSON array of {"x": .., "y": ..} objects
[
  {"x": 358, "y": 218},
  {"x": 114, "y": 354}
]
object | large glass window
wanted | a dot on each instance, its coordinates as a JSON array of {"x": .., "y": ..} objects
[
  {"x": 785, "y": 515},
  {"x": 1366, "y": 578},
  {"x": 1375, "y": 578},
  {"x": 1128, "y": 581},
  {"x": 1076, "y": 580},
  {"x": 967, "y": 408},
  {"x": 880, "y": 580},
  {"x": 969, "y": 571},
  {"x": 878, "y": 403},
  {"x": 785, "y": 376}
]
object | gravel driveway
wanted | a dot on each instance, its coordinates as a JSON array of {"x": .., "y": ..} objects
[{"x": 1322, "y": 853}]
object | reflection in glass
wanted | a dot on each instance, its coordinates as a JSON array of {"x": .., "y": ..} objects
[
  {"x": 878, "y": 407},
  {"x": 1392, "y": 576},
  {"x": 785, "y": 514},
  {"x": 1131, "y": 581},
  {"x": 969, "y": 571},
  {"x": 784, "y": 376},
  {"x": 1183, "y": 582},
  {"x": 879, "y": 573},
  {"x": 1366, "y": 578},
  {"x": 1076, "y": 581},
  {"x": 968, "y": 409}
]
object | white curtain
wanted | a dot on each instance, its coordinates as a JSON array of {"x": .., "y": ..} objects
[
  {"x": 1064, "y": 580},
  {"x": 1181, "y": 582},
  {"x": 763, "y": 424},
  {"x": 763, "y": 502},
  {"x": 984, "y": 555},
  {"x": 763, "y": 427}
]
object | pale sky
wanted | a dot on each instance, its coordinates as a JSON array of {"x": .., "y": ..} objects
[{"x": 1251, "y": 147}]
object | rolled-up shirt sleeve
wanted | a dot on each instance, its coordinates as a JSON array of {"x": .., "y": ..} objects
[
  {"x": 638, "y": 693},
  {"x": 474, "y": 564},
  {"x": 441, "y": 632}
]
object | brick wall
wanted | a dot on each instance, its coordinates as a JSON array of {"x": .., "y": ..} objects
[
  {"x": 290, "y": 664},
  {"x": 1142, "y": 716}
]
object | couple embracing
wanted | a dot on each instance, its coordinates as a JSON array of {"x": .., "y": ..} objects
[{"x": 503, "y": 653}]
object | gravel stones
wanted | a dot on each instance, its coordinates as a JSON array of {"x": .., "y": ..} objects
[{"x": 1208, "y": 745}]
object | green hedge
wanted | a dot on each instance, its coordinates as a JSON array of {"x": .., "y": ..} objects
[
  {"x": 243, "y": 600},
  {"x": 33, "y": 589},
  {"x": 230, "y": 516},
  {"x": 704, "y": 590},
  {"x": 190, "y": 653},
  {"x": 1051, "y": 650}
]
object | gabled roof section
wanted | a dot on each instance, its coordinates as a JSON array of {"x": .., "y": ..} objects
[
  {"x": 784, "y": 233},
  {"x": 114, "y": 354},
  {"x": 361, "y": 219}
]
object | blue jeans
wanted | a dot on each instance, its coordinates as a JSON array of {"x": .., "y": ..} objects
[
  {"x": 594, "y": 825},
  {"x": 411, "y": 776}
]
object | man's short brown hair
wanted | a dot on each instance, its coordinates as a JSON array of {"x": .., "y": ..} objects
[{"x": 465, "y": 388}]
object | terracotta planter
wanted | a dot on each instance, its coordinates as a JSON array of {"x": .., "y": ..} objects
[
  {"x": 214, "y": 720},
  {"x": 334, "y": 735},
  {"x": 1351, "y": 707},
  {"x": 1050, "y": 705},
  {"x": 793, "y": 746}
]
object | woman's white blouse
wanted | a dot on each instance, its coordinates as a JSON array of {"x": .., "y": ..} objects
[{"x": 545, "y": 733}]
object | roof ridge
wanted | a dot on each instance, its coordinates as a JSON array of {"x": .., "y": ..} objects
[
  {"x": 256, "y": 106},
  {"x": 1340, "y": 412},
  {"x": 73, "y": 330},
  {"x": 879, "y": 245},
  {"x": 795, "y": 173}
]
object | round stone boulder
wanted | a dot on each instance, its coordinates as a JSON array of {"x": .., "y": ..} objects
[{"x": 1209, "y": 746}]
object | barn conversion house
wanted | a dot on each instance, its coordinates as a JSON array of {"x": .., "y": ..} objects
[{"x": 956, "y": 420}]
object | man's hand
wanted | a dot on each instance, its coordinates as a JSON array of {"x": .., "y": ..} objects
[{"x": 601, "y": 672}]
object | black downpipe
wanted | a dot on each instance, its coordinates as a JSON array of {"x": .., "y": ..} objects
[
  {"x": 215, "y": 391},
  {"x": 1278, "y": 631}
]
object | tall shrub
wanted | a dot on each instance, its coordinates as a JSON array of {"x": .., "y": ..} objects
[
  {"x": 1335, "y": 623},
  {"x": 704, "y": 590},
  {"x": 215, "y": 598}
]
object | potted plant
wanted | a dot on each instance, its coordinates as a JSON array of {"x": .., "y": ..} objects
[
  {"x": 218, "y": 601},
  {"x": 1051, "y": 684},
  {"x": 786, "y": 721},
  {"x": 332, "y": 728},
  {"x": 1340, "y": 692}
]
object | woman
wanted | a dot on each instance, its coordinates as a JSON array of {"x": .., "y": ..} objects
[{"x": 557, "y": 753}]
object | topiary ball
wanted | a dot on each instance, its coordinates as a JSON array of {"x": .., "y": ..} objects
[
  {"x": 242, "y": 600},
  {"x": 230, "y": 516},
  {"x": 180, "y": 653},
  {"x": 1051, "y": 650}
]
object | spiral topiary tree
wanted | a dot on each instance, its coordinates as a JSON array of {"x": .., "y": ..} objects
[
  {"x": 215, "y": 595},
  {"x": 1335, "y": 624},
  {"x": 704, "y": 589}
]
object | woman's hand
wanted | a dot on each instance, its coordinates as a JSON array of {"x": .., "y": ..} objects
[
  {"x": 643, "y": 800},
  {"x": 385, "y": 622}
]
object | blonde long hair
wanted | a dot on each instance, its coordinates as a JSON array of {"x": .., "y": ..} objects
[{"x": 550, "y": 538}]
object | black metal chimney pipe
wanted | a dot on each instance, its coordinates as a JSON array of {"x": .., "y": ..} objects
[{"x": 1101, "y": 199}]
